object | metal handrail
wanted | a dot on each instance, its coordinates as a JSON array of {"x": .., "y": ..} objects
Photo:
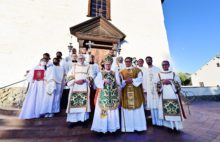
[{"x": 13, "y": 83}]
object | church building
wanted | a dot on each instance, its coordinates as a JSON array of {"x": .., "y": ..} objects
[
  {"x": 208, "y": 75},
  {"x": 31, "y": 27}
]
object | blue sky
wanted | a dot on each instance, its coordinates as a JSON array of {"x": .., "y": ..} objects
[{"x": 193, "y": 30}]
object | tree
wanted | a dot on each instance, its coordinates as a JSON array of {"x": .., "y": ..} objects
[{"x": 185, "y": 78}]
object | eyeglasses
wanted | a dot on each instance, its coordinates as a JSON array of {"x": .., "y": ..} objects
[{"x": 165, "y": 64}]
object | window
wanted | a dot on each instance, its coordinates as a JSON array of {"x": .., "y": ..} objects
[
  {"x": 218, "y": 64},
  {"x": 201, "y": 84},
  {"x": 99, "y": 8}
]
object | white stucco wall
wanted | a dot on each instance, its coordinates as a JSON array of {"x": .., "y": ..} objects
[
  {"x": 209, "y": 74},
  {"x": 201, "y": 91},
  {"x": 31, "y": 27},
  {"x": 143, "y": 23}
]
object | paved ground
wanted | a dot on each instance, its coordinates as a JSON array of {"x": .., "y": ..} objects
[{"x": 203, "y": 125}]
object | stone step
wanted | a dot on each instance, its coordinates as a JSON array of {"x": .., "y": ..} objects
[
  {"x": 44, "y": 132},
  {"x": 8, "y": 118},
  {"x": 50, "y": 139},
  {"x": 9, "y": 111},
  {"x": 11, "y": 127},
  {"x": 16, "y": 112},
  {"x": 41, "y": 122}
]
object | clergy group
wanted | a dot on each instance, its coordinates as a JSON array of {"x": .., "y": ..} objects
[{"x": 118, "y": 94}]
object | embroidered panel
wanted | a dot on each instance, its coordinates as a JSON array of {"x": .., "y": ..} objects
[
  {"x": 109, "y": 98},
  {"x": 78, "y": 99},
  {"x": 130, "y": 96},
  {"x": 171, "y": 107}
]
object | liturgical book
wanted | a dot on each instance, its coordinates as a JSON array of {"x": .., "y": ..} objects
[{"x": 38, "y": 75}]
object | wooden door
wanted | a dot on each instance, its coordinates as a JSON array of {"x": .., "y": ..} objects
[{"x": 99, "y": 54}]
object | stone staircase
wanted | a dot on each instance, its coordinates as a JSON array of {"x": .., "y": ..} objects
[
  {"x": 201, "y": 126},
  {"x": 42, "y": 129}
]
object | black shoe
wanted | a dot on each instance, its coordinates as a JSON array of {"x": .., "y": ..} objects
[
  {"x": 85, "y": 124},
  {"x": 140, "y": 132},
  {"x": 100, "y": 134},
  {"x": 70, "y": 125}
]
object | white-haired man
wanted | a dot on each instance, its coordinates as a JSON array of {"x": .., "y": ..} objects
[
  {"x": 106, "y": 117},
  {"x": 78, "y": 79}
]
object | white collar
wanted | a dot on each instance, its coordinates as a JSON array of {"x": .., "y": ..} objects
[
  {"x": 150, "y": 67},
  {"x": 168, "y": 71},
  {"x": 108, "y": 70},
  {"x": 129, "y": 67}
]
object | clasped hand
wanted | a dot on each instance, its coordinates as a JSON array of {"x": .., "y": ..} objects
[
  {"x": 166, "y": 82},
  {"x": 107, "y": 81},
  {"x": 80, "y": 82},
  {"x": 129, "y": 81}
]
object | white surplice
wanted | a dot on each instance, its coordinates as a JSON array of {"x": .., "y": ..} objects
[
  {"x": 49, "y": 64},
  {"x": 132, "y": 120},
  {"x": 79, "y": 72},
  {"x": 51, "y": 100},
  {"x": 111, "y": 122},
  {"x": 33, "y": 99},
  {"x": 144, "y": 83},
  {"x": 168, "y": 92},
  {"x": 95, "y": 71},
  {"x": 152, "y": 96},
  {"x": 118, "y": 67},
  {"x": 114, "y": 66},
  {"x": 66, "y": 63},
  {"x": 87, "y": 58}
]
